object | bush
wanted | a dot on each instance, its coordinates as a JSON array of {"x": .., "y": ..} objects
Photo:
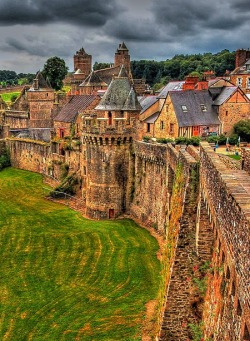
[
  {"x": 66, "y": 187},
  {"x": 4, "y": 159},
  {"x": 164, "y": 140},
  {"x": 194, "y": 140},
  {"x": 212, "y": 139},
  {"x": 242, "y": 129},
  {"x": 13, "y": 97},
  {"x": 233, "y": 139},
  {"x": 146, "y": 138},
  {"x": 221, "y": 139}
]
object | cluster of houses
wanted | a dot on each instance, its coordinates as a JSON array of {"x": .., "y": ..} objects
[{"x": 181, "y": 109}]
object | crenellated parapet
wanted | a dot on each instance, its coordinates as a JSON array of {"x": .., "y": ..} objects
[{"x": 99, "y": 131}]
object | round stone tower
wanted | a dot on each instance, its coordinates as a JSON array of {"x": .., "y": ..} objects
[{"x": 107, "y": 149}]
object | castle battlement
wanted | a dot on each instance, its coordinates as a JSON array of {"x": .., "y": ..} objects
[{"x": 119, "y": 126}]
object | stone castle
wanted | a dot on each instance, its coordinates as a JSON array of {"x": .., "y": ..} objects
[{"x": 197, "y": 200}]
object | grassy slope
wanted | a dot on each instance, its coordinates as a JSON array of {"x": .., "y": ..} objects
[
  {"x": 7, "y": 96},
  {"x": 63, "y": 277}
]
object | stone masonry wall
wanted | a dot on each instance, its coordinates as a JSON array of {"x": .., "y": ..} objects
[
  {"x": 150, "y": 187},
  {"x": 245, "y": 163},
  {"x": 226, "y": 192}
]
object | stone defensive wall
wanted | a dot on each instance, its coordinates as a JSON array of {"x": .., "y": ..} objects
[
  {"x": 155, "y": 166},
  {"x": 42, "y": 157},
  {"x": 198, "y": 202},
  {"x": 226, "y": 193},
  {"x": 12, "y": 89}
]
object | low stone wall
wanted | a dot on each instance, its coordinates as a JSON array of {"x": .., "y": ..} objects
[
  {"x": 229, "y": 162},
  {"x": 245, "y": 153}
]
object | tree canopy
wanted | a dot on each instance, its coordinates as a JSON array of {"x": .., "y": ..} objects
[
  {"x": 242, "y": 129},
  {"x": 55, "y": 71}
]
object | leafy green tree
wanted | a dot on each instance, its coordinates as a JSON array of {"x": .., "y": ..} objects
[
  {"x": 55, "y": 71},
  {"x": 242, "y": 129},
  {"x": 99, "y": 66}
]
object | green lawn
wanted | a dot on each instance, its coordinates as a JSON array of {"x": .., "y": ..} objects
[
  {"x": 63, "y": 277},
  {"x": 7, "y": 96}
]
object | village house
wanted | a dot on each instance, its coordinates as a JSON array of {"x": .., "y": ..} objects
[
  {"x": 187, "y": 113},
  {"x": 194, "y": 108},
  {"x": 240, "y": 76},
  {"x": 68, "y": 121}
]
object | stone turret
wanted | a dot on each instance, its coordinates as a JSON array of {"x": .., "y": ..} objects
[
  {"x": 41, "y": 99},
  {"x": 122, "y": 57},
  {"x": 108, "y": 135},
  {"x": 83, "y": 61}
]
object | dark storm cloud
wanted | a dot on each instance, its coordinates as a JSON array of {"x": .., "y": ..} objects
[
  {"x": 182, "y": 18},
  {"x": 133, "y": 30},
  {"x": 79, "y": 12}
]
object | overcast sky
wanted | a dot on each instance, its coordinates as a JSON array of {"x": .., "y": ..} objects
[{"x": 34, "y": 30}]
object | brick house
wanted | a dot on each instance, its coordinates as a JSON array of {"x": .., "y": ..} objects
[
  {"x": 240, "y": 76},
  {"x": 152, "y": 106},
  {"x": 232, "y": 105},
  {"x": 68, "y": 119},
  {"x": 187, "y": 113}
]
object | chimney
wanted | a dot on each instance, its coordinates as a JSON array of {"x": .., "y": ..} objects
[{"x": 190, "y": 82}]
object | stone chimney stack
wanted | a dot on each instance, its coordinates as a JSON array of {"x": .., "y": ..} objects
[{"x": 242, "y": 56}]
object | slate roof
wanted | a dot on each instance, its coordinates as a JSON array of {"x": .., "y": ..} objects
[
  {"x": 152, "y": 118},
  {"x": 171, "y": 86},
  {"x": 119, "y": 96},
  {"x": 226, "y": 92},
  {"x": 242, "y": 69},
  {"x": 146, "y": 102},
  {"x": 93, "y": 79},
  {"x": 42, "y": 83},
  {"x": 71, "y": 109},
  {"x": 122, "y": 46},
  {"x": 194, "y": 115},
  {"x": 104, "y": 76}
]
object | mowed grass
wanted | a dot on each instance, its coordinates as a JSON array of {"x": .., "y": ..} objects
[
  {"x": 7, "y": 96},
  {"x": 63, "y": 277}
]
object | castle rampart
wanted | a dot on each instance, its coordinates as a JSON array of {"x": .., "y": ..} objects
[
  {"x": 227, "y": 195},
  {"x": 158, "y": 185}
]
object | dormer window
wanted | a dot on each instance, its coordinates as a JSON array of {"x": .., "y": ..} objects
[
  {"x": 203, "y": 107},
  {"x": 239, "y": 81},
  {"x": 184, "y": 108}
]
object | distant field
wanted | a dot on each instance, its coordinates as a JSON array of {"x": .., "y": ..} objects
[
  {"x": 7, "y": 96},
  {"x": 63, "y": 277}
]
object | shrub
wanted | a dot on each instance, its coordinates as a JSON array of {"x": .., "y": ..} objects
[
  {"x": 13, "y": 97},
  {"x": 222, "y": 139},
  {"x": 4, "y": 159},
  {"x": 65, "y": 169},
  {"x": 242, "y": 129},
  {"x": 212, "y": 139},
  {"x": 146, "y": 138},
  {"x": 164, "y": 140},
  {"x": 66, "y": 187},
  {"x": 233, "y": 139},
  {"x": 181, "y": 140},
  {"x": 194, "y": 140}
]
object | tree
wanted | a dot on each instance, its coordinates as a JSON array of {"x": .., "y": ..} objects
[
  {"x": 242, "y": 129},
  {"x": 55, "y": 71}
]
